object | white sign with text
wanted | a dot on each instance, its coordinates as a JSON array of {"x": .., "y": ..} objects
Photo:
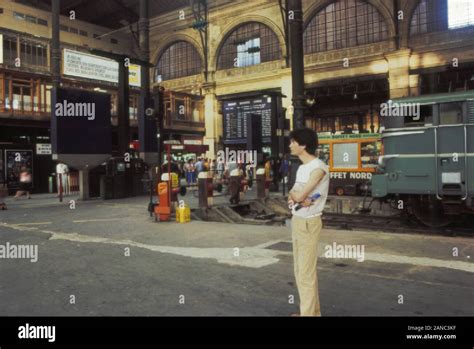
[{"x": 88, "y": 66}]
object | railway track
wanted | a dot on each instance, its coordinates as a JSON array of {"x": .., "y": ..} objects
[
  {"x": 275, "y": 212},
  {"x": 393, "y": 224}
]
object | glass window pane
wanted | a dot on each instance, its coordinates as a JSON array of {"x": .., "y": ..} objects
[
  {"x": 342, "y": 24},
  {"x": 19, "y": 16},
  {"x": 450, "y": 113},
  {"x": 460, "y": 13},
  {"x": 345, "y": 155},
  {"x": 369, "y": 154},
  {"x": 179, "y": 60},
  {"x": 323, "y": 153},
  {"x": 31, "y": 19},
  {"x": 249, "y": 44}
]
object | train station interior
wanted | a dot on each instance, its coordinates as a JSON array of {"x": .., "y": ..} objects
[{"x": 181, "y": 146}]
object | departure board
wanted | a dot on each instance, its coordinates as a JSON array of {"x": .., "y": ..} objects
[{"x": 235, "y": 119}]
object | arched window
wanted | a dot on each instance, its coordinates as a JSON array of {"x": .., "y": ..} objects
[
  {"x": 344, "y": 23},
  {"x": 250, "y": 44},
  {"x": 178, "y": 60},
  {"x": 439, "y": 15}
]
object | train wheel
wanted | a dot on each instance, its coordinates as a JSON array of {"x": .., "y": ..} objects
[
  {"x": 429, "y": 211},
  {"x": 340, "y": 191}
]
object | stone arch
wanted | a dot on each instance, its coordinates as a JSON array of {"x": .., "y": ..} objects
[
  {"x": 235, "y": 24},
  {"x": 170, "y": 40}
]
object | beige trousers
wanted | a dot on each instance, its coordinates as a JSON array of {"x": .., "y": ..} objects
[{"x": 305, "y": 234}]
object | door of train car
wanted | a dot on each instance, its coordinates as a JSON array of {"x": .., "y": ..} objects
[
  {"x": 470, "y": 152},
  {"x": 452, "y": 142},
  {"x": 352, "y": 160}
]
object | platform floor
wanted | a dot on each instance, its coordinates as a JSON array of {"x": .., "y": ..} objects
[{"x": 115, "y": 260}]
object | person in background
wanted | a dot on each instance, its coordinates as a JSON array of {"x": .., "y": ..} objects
[
  {"x": 181, "y": 165},
  {"x": 189, "y": 170},
  {"x": 205, "y": 164},
  {"x": 174, "y": 167},
  {"x": 231, "y": 166},
  {"x": 220, "y": 169},
  {"x": 213, "y": 167},
  {"x": 3, "y": 188},
  {"x": 25, "y": 183},
  {"x": 250, "y": 170},
  {"x": 62, "y": 173},
  {"x": 199, "y": 167},
  {"x": 284, "y": 168},
  {"x": 276, "y": 163},
  {"x": 268, "y": 169}
]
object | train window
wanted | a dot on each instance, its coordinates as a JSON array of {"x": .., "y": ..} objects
[
  {"x": 346, "y": 155},
  {"x": 420, "y": 117},
  {"x": 450, "y": 113},
  {"x": 323, "y": 153},
  {"x": 369, "y": 154}
]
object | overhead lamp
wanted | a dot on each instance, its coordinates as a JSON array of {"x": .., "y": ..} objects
[{"x": 310, "y": 100}]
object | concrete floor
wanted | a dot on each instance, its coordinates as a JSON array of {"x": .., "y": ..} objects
[{"x": 115, "y": 260}]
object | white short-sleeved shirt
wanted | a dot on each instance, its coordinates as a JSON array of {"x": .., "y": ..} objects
[
  {"x": 302, "y": 177},
  {"x": 61, "y": 168}
]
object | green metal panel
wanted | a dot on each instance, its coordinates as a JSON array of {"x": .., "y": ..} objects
[
  {"x": 470, "y": 112},
  {"x": 438, "y": 98},
  {"x": 411, "y": 176},
  {"x": 379, "y": 186}
]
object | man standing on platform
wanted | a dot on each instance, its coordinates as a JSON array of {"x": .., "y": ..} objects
[{"x": 307, "y": 200}]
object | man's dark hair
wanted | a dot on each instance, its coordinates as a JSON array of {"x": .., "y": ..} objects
[{"x": 307, "y": 137}]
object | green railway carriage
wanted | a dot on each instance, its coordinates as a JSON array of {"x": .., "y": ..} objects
[{"x": 428, "y": 161}]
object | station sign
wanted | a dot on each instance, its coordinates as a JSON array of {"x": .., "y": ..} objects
[
  {"x": 43, "y": 149},
  {"x": 177, "y": 147},
  {"x": 351, "y": 175},
  {"x": 348, "y": 136},
  {"x": 192, "y": 142},
  {"x": 94, "y": 67},
  {"x": 172, "y": 142}
]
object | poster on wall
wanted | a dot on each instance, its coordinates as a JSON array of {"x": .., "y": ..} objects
[
  {"x": 134, "y": 75},
  {"x": 15, "y": 161}
]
